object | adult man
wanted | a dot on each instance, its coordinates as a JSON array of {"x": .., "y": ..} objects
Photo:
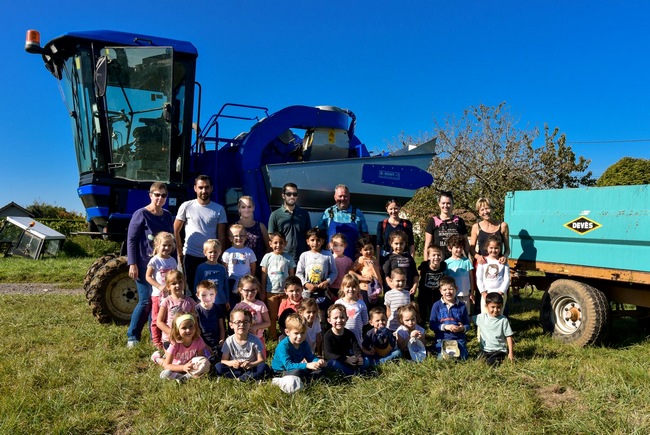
[
  {"x": 203, "y": 220},
  {"x": 345, "y": 219},
  {"x": 292, "y": 221}
]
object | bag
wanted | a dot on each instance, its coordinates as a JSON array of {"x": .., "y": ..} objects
[
  {"x": 450, "y": 349},
  {"x": 374, "y": 290}
]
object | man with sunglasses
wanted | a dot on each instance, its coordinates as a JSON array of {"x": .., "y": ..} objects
[
  {"x": 292, "y": 221},
  {"x": 203, "y": 219}
]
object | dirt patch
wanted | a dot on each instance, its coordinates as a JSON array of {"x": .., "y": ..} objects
[
  {"x": 554, "y": 396},
  {"x": 37, "y": 289}
]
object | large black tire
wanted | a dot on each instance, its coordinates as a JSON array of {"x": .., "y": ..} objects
[
  {"x": 574, "y": 312},
  {"x": 92, "y": 270},
  {"x": 112, "y": 294}
]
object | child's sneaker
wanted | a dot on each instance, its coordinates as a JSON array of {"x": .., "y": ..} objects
[
  {"x": 131, "y": 344},
  {"x": 183, "y": 378},
  {"x": 157, "y": 358}
]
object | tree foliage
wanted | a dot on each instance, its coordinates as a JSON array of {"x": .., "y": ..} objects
[
  {"x": 626, "y": 172},
  {"x": 484, "y": 154},
  {"x": 41, "y": 210}
]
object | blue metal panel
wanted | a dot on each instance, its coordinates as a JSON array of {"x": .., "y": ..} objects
[
  {"x": 605, "y": 227},
  {"x": 110, "y": 37},
  {"x": 405, "y": 177},
  {"x": 94, "y": 212},
  {"x": 137, "y": 199},
  {"x": 93, "y": 189}
]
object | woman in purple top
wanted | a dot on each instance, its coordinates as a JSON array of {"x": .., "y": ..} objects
[{"x": 145, "y": 224}]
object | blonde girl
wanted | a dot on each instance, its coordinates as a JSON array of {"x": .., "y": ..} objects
[
  {"x": 160, "y": 264},
  {"x": 248, "y": 288},
  {"x": 366, "y": 268},
  {"x": 187, "y": 353},
  {"x": 175, "y": 303},
  {"x": 258, "y": 237},
  {"x": 356, "y": 309}
]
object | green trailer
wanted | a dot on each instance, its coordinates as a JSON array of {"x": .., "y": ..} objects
[{"x": 588, "y": 247}]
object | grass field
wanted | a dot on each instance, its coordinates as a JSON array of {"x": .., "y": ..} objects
[{"x": 62, "y": 372}]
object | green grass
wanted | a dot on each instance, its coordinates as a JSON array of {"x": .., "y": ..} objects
[
  {"x": 69, "y": 272},
  {"x": 62, "y": 372}
]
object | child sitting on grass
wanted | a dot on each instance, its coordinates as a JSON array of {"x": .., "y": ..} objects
[
  {"x": 187, "y": 353},
  {"x": 409, "y": 331},
  {"x": 340, "y": 346},
  {"x": 450, "y": 321},
  {"x": 379, "y": 343},
  {"x": 309, "y": 310}
]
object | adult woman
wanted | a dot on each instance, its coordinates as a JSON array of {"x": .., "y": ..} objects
[
  {"x": 145, "y": 224},
  {"x": 393, "y": 223},
  {"x": 484, "y": 228},
  {"x": 258, "y": 236},
  {"x": 440, "y": 228}
]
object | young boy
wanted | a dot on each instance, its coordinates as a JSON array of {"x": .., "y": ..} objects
[
  {"x": 309, "y": 311},
  {"x": 397, "y": 297},
  {"x": 495, "y": 334},
  {"x": 211, "y": 320},
  {"x": 212, "y": 271},
  {"x": 276, "y": 268},
  {"x": 293, "y": 357},
  {"x": 242, "y": 352},
  {"x": 340, "y": 346},
  {"x": 449, "y": 320},
  {"x": 293, "y": 296},
  {"x": 239, "y": 260},
  {"x": 459, "y": 267},
  {"x": 431, "y": 271},
  {"x": 400, "y": 258},
  {"x": 317, "y": 271},
  {"x": 338, "y": 243},
  {"x": 379, "y": 343}
]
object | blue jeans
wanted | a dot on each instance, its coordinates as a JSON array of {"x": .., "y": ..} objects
[
  {"x": 258, "y": 372},
  {"x": 396, "y": 353},
  {"x": 142, "y": 310},
  {"x": 346, "y": 369}
]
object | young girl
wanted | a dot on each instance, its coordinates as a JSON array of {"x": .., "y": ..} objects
[
  {"x": 356, "y": 310},
  {"x": 257, "y": 236},
  {"x": 187, "y": 353},
  {"x": 248, "y": 288},
  {"x": 176, "y": 302},
  {"x": 161, "y": 263},
  {"x": 492, "y": 276},
  {"x": 399, "y": 258},
  {"x": 366, "y": 268},
  {"x": 309, "y": 311},
  {"x": 409, "y": 329}
]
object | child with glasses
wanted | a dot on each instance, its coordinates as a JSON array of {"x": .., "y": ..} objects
[{"x": 248, "y": 288}]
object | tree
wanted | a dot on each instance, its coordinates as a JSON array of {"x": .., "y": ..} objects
[
  {"x": 625, "y": 172},
  {"x": 41, "y": 210},
  {"x": 484, "y": 154}
]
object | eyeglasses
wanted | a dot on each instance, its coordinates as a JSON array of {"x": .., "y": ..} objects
[
  {"x": 249, "y": 290},
  {"x": 241, "y": 322},
  {"x": 158, "y": 195},
  {"x": 290, "y": 193}
]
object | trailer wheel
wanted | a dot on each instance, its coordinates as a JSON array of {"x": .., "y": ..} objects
[
  {"x": 92, "y": 270},
  {"x": 112, "y": 294},
  {"x": 574, "y": 312}
]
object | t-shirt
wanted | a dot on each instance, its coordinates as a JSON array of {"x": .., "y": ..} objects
[
  {"x": 316, "y": 267},
  {"x": 404, "y": 261},
  {"x": 217, "y": 274},
  {"x": 384, "y": 230},
  {"x": 459, "y": 269},
  {"x": 430, "y": 279},
  {"x": 201, "y": 223},
  {"x": 492, "y": 276},
  {"x": 343, "y": 265},
  {"x": 209, "y": 322},
  {"x": 277, "y": 270},
  {"x": 444, "y": 230},
  {"x": 247, "y": 351},
  {"x": 256, "y": 308},
  {"x": 394, "y": 299},
  {"x": 357, "y": 316},
  {"x": 493, "y": 332},
  {"x": 182, "y": 355},
  {"x": 339, "y": 347},
  {"x": 312, "y": 333},
  {"x": 402, "y": 333},
  {"x": 160, "y": 268},
  {"x": 238, "y": 261},
  {"x": 294, "y": 226},
  {"x": 174, "y": 306}
]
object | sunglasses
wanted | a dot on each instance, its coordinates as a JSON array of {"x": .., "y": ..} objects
[
  {"x": 290, "y": 193},
  {"x": 158, "y": 195}
]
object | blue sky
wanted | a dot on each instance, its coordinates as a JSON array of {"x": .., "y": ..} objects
[{"x": 580, "y": 66}]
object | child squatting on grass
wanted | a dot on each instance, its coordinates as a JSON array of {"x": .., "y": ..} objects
[
  {"x": 187, "y": 354},
  {"x": 495, "y": 334}
]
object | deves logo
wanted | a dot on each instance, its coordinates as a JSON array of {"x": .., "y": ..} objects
[{"x": 582, "y": 225}]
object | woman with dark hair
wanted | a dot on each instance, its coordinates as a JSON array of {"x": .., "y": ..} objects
[
  {"x": 446, "y": 224},
  {"x": 145, "y": 223},
  {"x": 393, "y": 223}
]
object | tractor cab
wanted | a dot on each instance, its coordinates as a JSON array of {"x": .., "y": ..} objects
[{"x": 130, "y": 100}]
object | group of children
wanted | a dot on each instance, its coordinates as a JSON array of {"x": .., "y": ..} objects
[{"x": 327, "y": 308}]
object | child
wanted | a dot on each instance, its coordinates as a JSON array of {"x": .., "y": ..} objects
[
  {"x": 338, "y": 244},
  {"x": 397, "y": 297},
  {"x": 379, "y": 343},
  {"x": 176, "y": 302},
  {"x": 495, "y": 335},
  {"x": 212, "y": 271},
  {"x": 366, "y": 269},
  {"x": 293, "y": 292},
  {"x": 356, "y": 310},
  {"x": 459, "y": 267},
  {"x": 276, "y": 268},
  {"x": 239, "y": 260},
  {"x": 210, "y": 316},
  {"x": 309, "y": 310},
  {"x": 293, "y": 357},
  {"x": 340, "y": 346},
  {"x": 248, "y": 288},
  {"x": 161, "y": 263},
  {"x": 492, "y": 277},
  {"x": 317, "y": 271},
  {"x": 430, "y": 272},
  {"x": 243, "y": 356},
  {"x": 187, "y": 353},
  {"x": 409, "y": 329},
  {"x": 399, "y": 258},
  {"x": 449, "y": 320}
]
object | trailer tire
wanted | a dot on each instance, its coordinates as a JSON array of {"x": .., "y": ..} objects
[
  {"x": 92, "y": 270},
  {"x": 574, "y": 312},
  {"x": 112, "y": 294}
]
